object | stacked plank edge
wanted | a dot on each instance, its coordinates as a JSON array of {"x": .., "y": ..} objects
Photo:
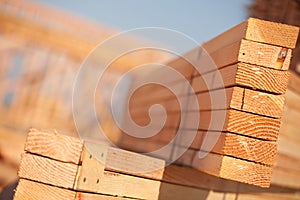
[
  {"x": 251, "y": 61},
  {"x": 56, "y": 166}
]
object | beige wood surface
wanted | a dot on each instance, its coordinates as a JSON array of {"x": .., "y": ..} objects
[
  {"x": 259, "y": 31},
  {"x": 47, "y": 170},
  {"x": 52, "y": 145},
  {"x": 234, "y": 169},
  {"x": 245, "y": 75}
]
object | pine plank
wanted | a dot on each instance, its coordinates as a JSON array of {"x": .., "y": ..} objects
[
  {"x": 235, "y": 121},
  {"x": 48, "y": 171},
  {"x": 132, "y": 163},
  {"x": 234, "y": 169},
  {"x": 125, "y": 185},
  {"x": 246, "y": 51},
  {"x": 242, "y": 74},
  {"x": 243, "y": 99},
  {"x": 27, "y": 189},
  {"x": 238, "y": 146},
  {"x": 257, "y": 30},
  {"x": 51, "y": 144}
]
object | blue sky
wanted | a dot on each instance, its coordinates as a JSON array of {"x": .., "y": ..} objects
[{"x": 199, "y": 19}]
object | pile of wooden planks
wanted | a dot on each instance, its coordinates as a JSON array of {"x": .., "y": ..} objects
[
  {"x": 239, "y": 79},
  {"x": 63, "y": 167},
  {"x": 56, "y": 166}
]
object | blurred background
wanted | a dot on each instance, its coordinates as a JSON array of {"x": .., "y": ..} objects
[{"x": 44, "y": 42}]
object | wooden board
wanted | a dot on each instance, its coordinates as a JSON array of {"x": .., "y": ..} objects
[
  {"x": 238, "y": 146},
  {"x": 246, "y": 51},
  {"x": 245, "y": 75},
  {"x": 130, "y": 163},
  {"x": 33, "y": 190},
  {"x": 46, "y": 170},
  {"x": 234, "y": 169},
  {"x": 257, "y": 30},
  {"x": 238, "y": 122},
  {"x": 92, "y": 178},
  {"x": 243, "y": 99},
  {"x": 51, "y": 144}
]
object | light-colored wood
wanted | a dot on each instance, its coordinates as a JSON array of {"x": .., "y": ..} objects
[
  {"x": 245, "y": 75},
  {"x": 238, "y": 146},
  {"x": 242, "y": 99},
  {"x": 235, "y": 121},
  {"x": 257, "y": 30},
  {"x": 238, "y": 122},
  {"x": 135, "y": 164},
  {"x": 27, "y": 189},
  {"x": 248, "y": 52},
  {"x": 234, "y": 169},
  {"x": 265, "y": 55},
  {"x": 51, "y": 144},
  {"x": 272, "y": 33},
  {"x": 33, "y": 190},
  {"x": 48, "y": 171}
]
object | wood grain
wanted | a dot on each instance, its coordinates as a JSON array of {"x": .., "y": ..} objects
[
  {"x": 238, "y": 122},
  {"x": 46, "y": 170},
  {"x": 245, "y": 75},
  {"x": 33, "y": 190},
  {"x": 51, "y": 144},
  {"x": 238, "y": 146},
  {"x": 249, "y": 52},
  {"x": 259, "y": 31},
  {"x": 234, "y": 169},
  {"x": 243, "y": 99}
]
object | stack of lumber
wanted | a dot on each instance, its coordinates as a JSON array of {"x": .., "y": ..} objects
[
  {"x": 56, "y": 166},
  {"x": 239, "y": 78},
  {"x": 62, "y": 167}
]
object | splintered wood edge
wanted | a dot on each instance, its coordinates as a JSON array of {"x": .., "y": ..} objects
[{"x": 54, "y": 145}]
